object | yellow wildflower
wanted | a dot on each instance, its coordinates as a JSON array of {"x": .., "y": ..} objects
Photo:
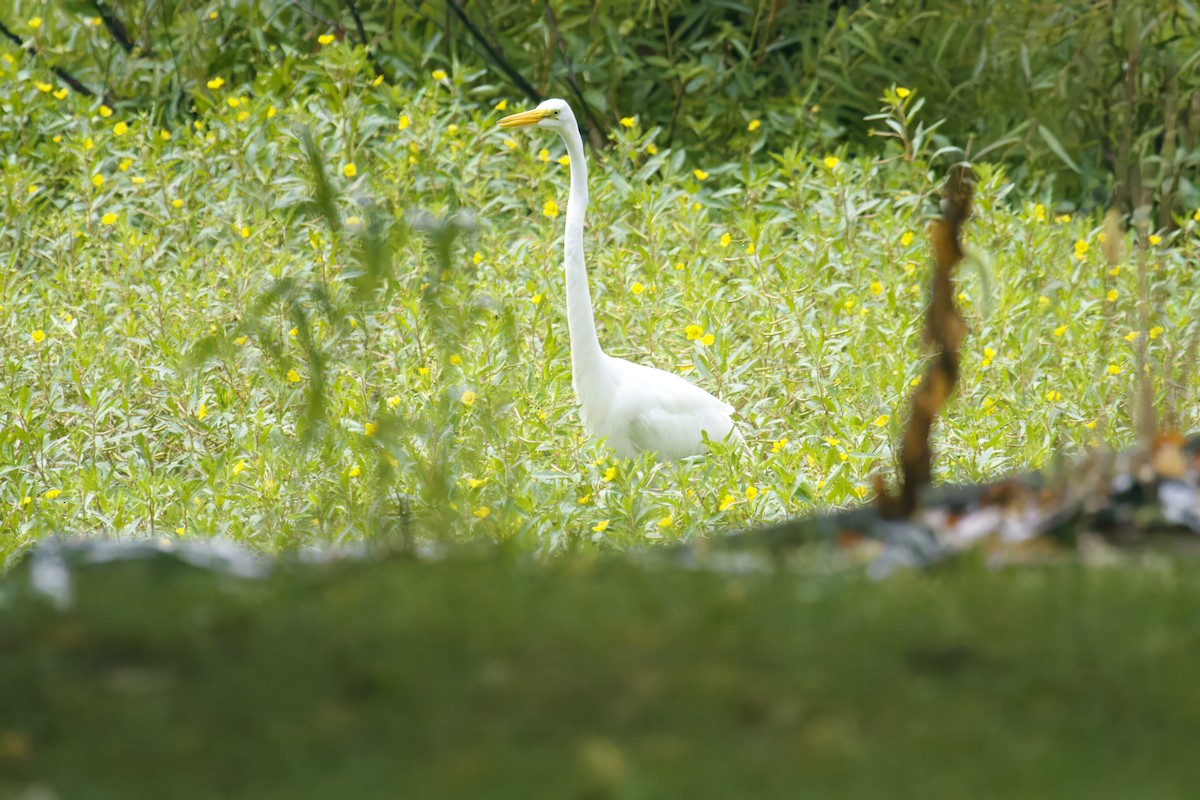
[
  {"x": 38, "y": 336},
  {"x": 109, "y": 219},
  {"x": 754, "y": 125},
  {"x": 564, "y": 160},
  {"x": 202, "y": 411},
  {"x": 1133, "y": 336},
  {"x": 1113, "y": 369},
  {"x": 120, "y": 128},
  {"x": 1053, "y": 396},
  {"x": 355, "y": 471},
  {"x": 325, "y": 39},
  {"x": 779, "y": 444},
  {"x": 97, "y": 180},
  {"x": 1060, "y": 330},
  {"x": 550, "y": 209},
  {"x": 665, "y": 522},
  {"x": 350, "y": 170},
  {"x": 501, "y": 106},
  {"x": 831, "y": 162},
  {"x": 537, "y": 298},
  {"x": 700, "y": 174},
  {"x": 52, "y": 494},
  {"x": 35, "y": 23},
  {"x": 293, "y": 376},
  {"x": 1156, "y": 331},
  {"x": 370, "y": 428},
  {"x": 105, "y": 111},
  {"x": 609, "y": 474},
  {"x": 707, "y": 340},
  {"x": 693, "y": 332},
  {"x": 906, "y": 238},
  {"x": 439, "y": 74},
  {"x": 239, "y": 467},
  {"x": 240, "y": 341},
  {"x": 477, "y": 258},
  {"x": 1081, "y": 248},
  {"x": 125, "y": 164},
  {"x": 544, "y": 155},
  {"x": 876, "y": 287},
  {"x": 882, "y": 420},
  {"x": 403, "y": 122},
  {"x": 726, "y": 502},
  {"x": 393, "y": 401},
  {"x": 751, "y": 492},
  {"x": 637, "y": 288},
  {"x": 165, "y": 135},
  {"x": 628, "y": 122},
  {"x": 902, "y": 93},
  {"x": 1039, "y": 212},
  {"x": 601, "y": 526},
  {"x": 456, "y": 360},
  {"x": 1154, "y": 239},
  {"x": 1112, "y": 295},
  {"x": 468, "y": 398},
  {"x": 651, "y": 149},
  {"x": 216, "y": 83},
  {"x": 726, "y": 239}
]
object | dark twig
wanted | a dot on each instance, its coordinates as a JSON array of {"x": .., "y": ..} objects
[
  {"x": 496, "y": 56},
  {"x": 944, "y": 330},
  {"x": 593, "y": 124},
  {"x": 115, "y": 27},
  {"x": 352, "y": 7},
  {"x": 63, "y": 75}
]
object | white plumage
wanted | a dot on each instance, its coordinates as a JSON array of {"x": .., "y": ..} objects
[{"x": 635, "y": 408}]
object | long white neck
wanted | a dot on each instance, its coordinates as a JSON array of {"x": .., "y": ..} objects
[{"x": 586, "y": 354}]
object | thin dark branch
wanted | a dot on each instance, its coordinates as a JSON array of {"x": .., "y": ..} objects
[
  {"x": 63, "y": 75},
  {"x": 352, "y": 7},
  {"x": 114, "y": 26},
  {"x": 944, "y": 330},
  {"x": 496, "y": 56},
  {"x": 593, "y": 124}
]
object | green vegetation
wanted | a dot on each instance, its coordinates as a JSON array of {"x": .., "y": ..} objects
[
  {"x": 213, "y": 328},
  {"x": 263, "y": 283},
  {"x": 1091, "y": 101},
  {"x": 602, "y": 679}
]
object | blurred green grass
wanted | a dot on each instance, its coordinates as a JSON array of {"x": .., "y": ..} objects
[{"x": 494, "y": 677}]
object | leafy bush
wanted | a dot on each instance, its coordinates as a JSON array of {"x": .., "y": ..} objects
[
  {"x": 1107, "y": 91},
  {"x": 219, "y": 328}
]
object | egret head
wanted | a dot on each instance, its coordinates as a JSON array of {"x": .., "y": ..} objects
[{"x": 553, "y": 114}]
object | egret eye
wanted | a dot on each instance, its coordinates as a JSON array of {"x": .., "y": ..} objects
[{"x": 556, "y": 112}]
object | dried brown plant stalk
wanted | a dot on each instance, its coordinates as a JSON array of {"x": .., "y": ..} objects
[{"x": 944, "y": 331}]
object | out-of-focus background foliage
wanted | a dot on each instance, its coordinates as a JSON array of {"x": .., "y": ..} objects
[{"x": 1095, "y": 101}]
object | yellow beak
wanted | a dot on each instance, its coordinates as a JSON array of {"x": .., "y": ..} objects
[{"x": 532, "y": 117}]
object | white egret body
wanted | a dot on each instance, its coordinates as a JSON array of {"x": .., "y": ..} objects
[{"x": 635, "y": 408}]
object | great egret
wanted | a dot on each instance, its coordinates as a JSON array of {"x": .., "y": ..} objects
[{"x": 635, "y": 408}]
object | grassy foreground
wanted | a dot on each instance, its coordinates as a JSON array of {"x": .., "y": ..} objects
[{"x": 598, "y": 678}]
